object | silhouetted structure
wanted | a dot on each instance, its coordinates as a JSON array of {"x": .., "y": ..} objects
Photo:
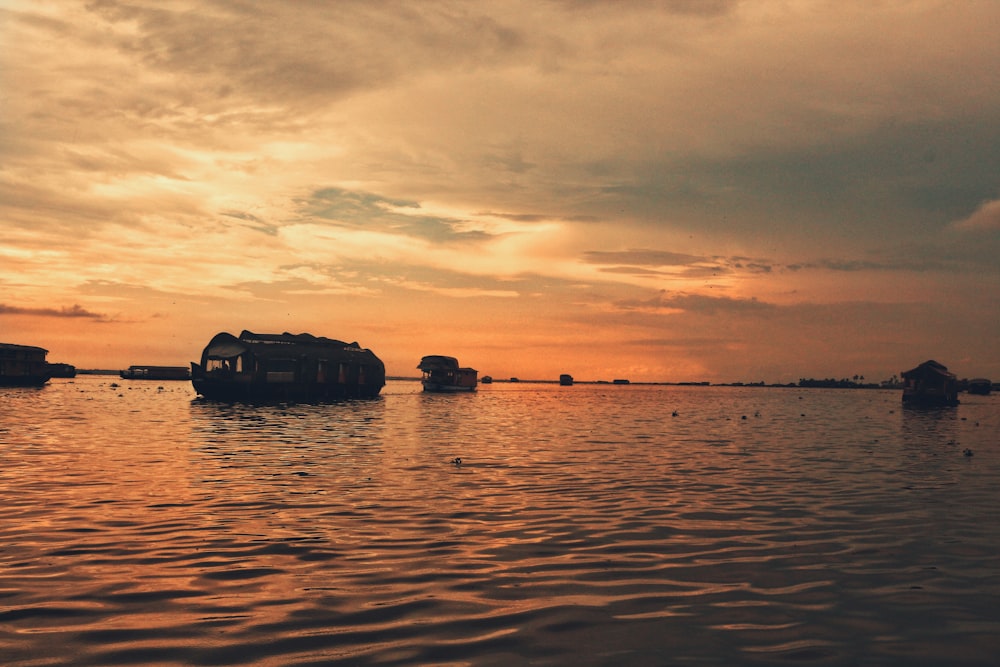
[
  {"x": 156, "y": 373},
  {"x": 60, "y": 370},
  {"x": 443, "y": 374},
  {"x": 566, "y": 380},
  {"x": 299, "y": 367},
  {"x": 931, "y": 384},
  {"x": 23, "y": 366},
  {"x": 980, "y": 386}
]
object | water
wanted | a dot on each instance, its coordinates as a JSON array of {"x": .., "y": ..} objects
[{"x": 584, "y": 525}]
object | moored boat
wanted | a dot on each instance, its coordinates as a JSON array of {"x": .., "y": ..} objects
[
  {"x": 23, "y": 366},
  {"x": 156, "y": 373},
  {"x": 61, "y": 370},
  {"x": 566, "y": 380},
  {"x": 930, "y": 384},
  {"x": 980, "y": 386},
  {"x": 287, "y": 367},
  {"x": 443, "y": 374}
]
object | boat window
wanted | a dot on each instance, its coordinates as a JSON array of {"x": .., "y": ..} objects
[
  {"x": 342, "y": 376},
  {"x": 234, "y": 364},
  {"x": 321, "y": 371}
]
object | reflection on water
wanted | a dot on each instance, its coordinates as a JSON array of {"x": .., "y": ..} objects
[{"x": 587, "y": 524}]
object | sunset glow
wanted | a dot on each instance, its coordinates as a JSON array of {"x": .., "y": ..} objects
[{"x": 660, "y": 191}]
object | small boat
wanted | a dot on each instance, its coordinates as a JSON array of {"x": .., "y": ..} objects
[
  {"x": 486, "y": 379},
  {"x": 60, "y": 370},
  {"x": 980, "y": 386},
  {"x": 929, "y": 384},
  {"x": 566, "y": 380},
  {"x": 443, "y": 374},
  {"x": 23, "y": 366},
  {"x": 156, "y": 373},
  {"x": 286, "y": 367}
]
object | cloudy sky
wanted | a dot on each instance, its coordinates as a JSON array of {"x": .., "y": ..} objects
[{"x": 673, "y": 190}]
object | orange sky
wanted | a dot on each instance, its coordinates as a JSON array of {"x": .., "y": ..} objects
[{"x": 664, "y": 191}]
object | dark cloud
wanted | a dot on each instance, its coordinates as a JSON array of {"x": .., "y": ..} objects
[
  {"x": 538, "y": 217},
  {"x": 75, "y": 311},
  {"x": 253, "y": 221},
  {"x": 641, "y": 257},
  {"x": 365, "y": 210},
  {"x": 697, "y": 303},
  {"x": 299, "y": 54}
]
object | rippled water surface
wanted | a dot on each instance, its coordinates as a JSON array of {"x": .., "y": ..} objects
[{"x": 593, "y": 524}]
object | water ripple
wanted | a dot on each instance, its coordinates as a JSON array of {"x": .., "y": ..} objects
[{"x": 585, "y": 525}]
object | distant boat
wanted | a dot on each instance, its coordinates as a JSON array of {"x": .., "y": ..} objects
[
  {"x": 23, "y": 366},
  {"x": 63, "y": 370},
  {"x": 929, "y": 384},
  {"x": 566, "y": 380},
  {"x": 486, "y": 379},
  {"x": 980, "y": 386},
  {"x": 156, "y": 373},
  {"x": 287, "y": 367},
  {"x": 443, "y": 374}
]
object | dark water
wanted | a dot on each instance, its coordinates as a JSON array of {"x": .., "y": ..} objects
[{"x": 585, "y": 525}]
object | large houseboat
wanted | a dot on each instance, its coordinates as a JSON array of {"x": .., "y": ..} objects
[
  {"x": 443, "y": 374},
  {"x": 156, "y": 373},
  {"x": 286, "y": 367},
  {"x": 930, "y": 384},
  {"x": 23, "y": 366}
]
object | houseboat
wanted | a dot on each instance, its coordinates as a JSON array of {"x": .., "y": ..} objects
[
  {"x": 156, "y": 373},
  {"x": 286, "y": 367},
  {"x": 566, "y": 380},
  {"x": 23, "y": 366},
  {"x": 980, "y": 386},
  {"x": 929, "y": 384},
  {"x": 442, "y": 374},
  {"x": 60, "y": 370}
]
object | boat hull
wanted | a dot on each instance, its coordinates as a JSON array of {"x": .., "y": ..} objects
[
  {"x": 253, "y": 392},
  {"x": 23, "y": 380},
  {"x": 440, "y": 388},
  {"x": 924, "y": 400}
]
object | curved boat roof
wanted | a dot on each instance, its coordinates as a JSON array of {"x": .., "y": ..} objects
[{"x": 226, "y": 346}]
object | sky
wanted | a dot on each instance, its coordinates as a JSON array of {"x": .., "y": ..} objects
[{"x": 672, "y": 190}]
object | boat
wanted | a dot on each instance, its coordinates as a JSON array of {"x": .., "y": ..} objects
[
  {"x": 486, "y": 379},
  {"x": 566, "y": 380},
  {"x": 285, "y": 367},
  {"x": 156, "y": 373},
  {"x": 443, "y": 374},
  {"x": 980, "y": 386},
  {"x": 23, "y": 366},
  {"x": 60, "y": 370},
  {"x": 930, "y": 384}
]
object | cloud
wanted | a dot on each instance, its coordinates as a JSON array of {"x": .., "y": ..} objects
[
  {"x": 697, "y": 303},
  {"x": 985, "y": 218},
  {"x": 74, "y": 311},
  {"x": 372, "y": 212},
  {"x": 641, "y": 257}
]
